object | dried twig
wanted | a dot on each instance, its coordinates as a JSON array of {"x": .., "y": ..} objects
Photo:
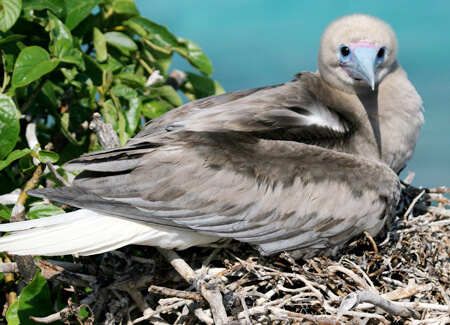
[
  {"x": 107, "y": 138},
  {"x": 352, "y": 301},
  {"x": 209, "y": 291},
  {"x": 25, "y": 263},
  {"x": 174, "y": 293},
  {"x": 413, "y": 203},
  {"x": 407, "y": 292},
  {"x": 160, "y": 310},
  {"x": 8, "y": 268},
  {"x": 339, "y": 268}
]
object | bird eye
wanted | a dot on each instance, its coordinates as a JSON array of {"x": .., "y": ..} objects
[
  {"x": 381, "y": 53},
  {"x": 344, "y": 50}
]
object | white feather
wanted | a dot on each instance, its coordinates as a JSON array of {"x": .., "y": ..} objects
[
  {"x": 322, "y": 116},
  {"x": 86, "y": 232}
]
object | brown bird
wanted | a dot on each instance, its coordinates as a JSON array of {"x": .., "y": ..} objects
[{"x": 303, "y": 167}]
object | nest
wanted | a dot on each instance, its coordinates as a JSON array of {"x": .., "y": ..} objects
[{"x": 402, "y": 277}]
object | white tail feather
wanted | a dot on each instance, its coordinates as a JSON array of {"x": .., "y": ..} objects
[{"x": 86, "y": 232}]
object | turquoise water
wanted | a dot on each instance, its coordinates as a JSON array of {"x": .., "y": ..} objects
[{"x": 263, "y": 42}]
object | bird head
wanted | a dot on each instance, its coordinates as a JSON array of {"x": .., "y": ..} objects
[{"x": 357, "y": 51}]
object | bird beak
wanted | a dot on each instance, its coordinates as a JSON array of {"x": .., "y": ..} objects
[{"x": 363, "y": 62}]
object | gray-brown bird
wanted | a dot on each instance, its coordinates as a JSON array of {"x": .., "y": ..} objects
[{"x": 304, "y": 166}]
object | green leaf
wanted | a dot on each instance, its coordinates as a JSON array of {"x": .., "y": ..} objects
[
  {"x": 121, "y": 41},
  {"x": 57, "y": 6},
  {"x": 44, "y": 210},
  {"x": 193, "y": 53},
  {"x": 84, "y": 30},
  {"x": 70, "y": 74},
  {"x": 83, "y": 313},
  {"x": 123, "y": 135},
  {"x": 77, "y": 10},
  {"x": 5, "y": 212},
  {"x": 34, "y": 300},
  {"x": 11, "y": 315},
  {"x": 73, "y": 56},
  {"x": 26, "y": 163},
  {"x": 154, "y": 109},
  {"x": 160, "y": 60},
  {"x": 44, "y": 156},
  {"x": 16, "y": 154},
  {"x": 111, "y": 65},
  {"x": 125, "y": 7},
  {"x": 62, "y": 48},
  {"x": 57, "y": 29},
  {"x": 65, "y": 129},
  {"x": 159, "y": 34},
  {"x": 9, "y": 12},
  {"x": 136, "y": 28},
  {"x": 131, "y": 79},
  {"x": 61, "y": 44},
  {"x": 11, "y": 38},
  {"x": 124, "y": 91},
  {"x": 100, "y": 45},
  {"x": 95, "y": 70},
  {"x": 32, "y": 63},
  {"x": 9, "y": 126},
  {"x": 132, "y": 113},
  {"x": 202, "y": 86},
  {"x": 167, "y": 93},
  {"x": 109, "y": 113}
]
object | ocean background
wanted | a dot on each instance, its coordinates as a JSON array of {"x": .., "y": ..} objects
[{"x": 254, "y": 43}]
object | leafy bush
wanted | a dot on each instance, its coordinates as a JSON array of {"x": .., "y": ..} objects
[
  {"x": 62, "y": 61},
  {"x": 65, "y": 60}
]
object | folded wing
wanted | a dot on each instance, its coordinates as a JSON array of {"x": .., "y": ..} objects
[{"x": 278, "y": 195}]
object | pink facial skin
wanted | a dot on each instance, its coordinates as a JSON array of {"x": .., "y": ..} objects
[{"x": 364, "y": 44}]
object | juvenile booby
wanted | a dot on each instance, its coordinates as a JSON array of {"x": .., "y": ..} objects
[{"x": 303, "y": 167}]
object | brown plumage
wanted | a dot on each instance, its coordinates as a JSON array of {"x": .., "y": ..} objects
[{"x": 303, "y": 166}]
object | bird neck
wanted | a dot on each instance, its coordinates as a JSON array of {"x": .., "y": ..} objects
[{"x": 369, "y": 100}]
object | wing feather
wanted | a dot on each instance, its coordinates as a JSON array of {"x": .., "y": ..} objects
[
  {"x": 285, "y": 107},
  {"x": 278, "y": 195}
]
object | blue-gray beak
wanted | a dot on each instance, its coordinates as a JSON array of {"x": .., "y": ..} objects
[{"x": 362, "y": 62}]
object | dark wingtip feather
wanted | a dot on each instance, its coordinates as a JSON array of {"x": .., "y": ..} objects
[
  {"x": 40, "y": 192},
  {"x": 66, "y": 195}
]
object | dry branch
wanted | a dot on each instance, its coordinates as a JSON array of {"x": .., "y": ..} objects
[
  {"x": 107, "y": 138},
  {"x": 174, "y": 293},
  {"x": 355, "y": 298},
  {"x": 209, "y": 291}
]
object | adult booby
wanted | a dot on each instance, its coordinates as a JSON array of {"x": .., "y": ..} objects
[{"x": 304, "y": 166}]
